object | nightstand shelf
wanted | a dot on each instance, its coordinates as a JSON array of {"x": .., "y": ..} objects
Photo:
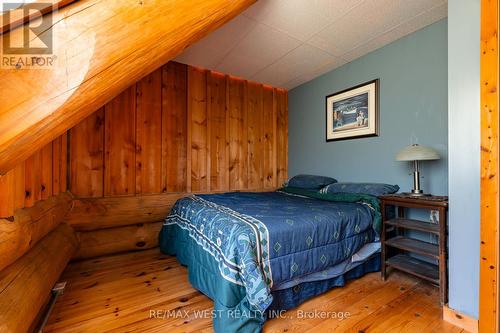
[
  {"x": 414, "y": 225},
  {"x": 420, "y": 268},
  {"x": 414, "y": 245},
  {"x": 398, "y": 245}
]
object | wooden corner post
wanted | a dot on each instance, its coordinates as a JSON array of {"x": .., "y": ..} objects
[{"x": 488, "y": 290}]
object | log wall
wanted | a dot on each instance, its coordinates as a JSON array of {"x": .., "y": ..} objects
[
  {"x": 29, "y": 225},
  {"x": 25, "y": 285}
]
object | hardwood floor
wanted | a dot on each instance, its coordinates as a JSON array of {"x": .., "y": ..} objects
[{"x": 124, "y": 293}]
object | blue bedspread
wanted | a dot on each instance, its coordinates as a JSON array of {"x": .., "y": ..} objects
[{"x": 261, "y": 240}]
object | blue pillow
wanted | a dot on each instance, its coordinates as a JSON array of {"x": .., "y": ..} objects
[
  {"x": 311, "y": 182},
  {"x": 365, "y": 188}
]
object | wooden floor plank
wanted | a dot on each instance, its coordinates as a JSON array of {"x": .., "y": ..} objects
[
  {"x": 359, "y": 310},
  {"x": 336, "y": 300},
  {"x": 407, "y": 313},
  {"x": 123, "y": 293}
]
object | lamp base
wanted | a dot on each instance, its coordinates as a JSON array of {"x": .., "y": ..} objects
[{"x": 417, "y": 194}]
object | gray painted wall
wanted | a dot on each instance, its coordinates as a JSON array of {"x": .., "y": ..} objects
[
  {"x": 464, "y": 153},
  {"x": 429, "y": 83},
  {"x": 413, "y": 109}
]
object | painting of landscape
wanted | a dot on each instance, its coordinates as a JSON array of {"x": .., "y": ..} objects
[
  {"x": 350, "y": 113},
  {"x": 353, "y": 112}
]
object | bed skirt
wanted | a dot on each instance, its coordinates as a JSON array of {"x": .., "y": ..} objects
[
  {"x": 232, "y": 310},
  {"x": 292, "y": 297}
]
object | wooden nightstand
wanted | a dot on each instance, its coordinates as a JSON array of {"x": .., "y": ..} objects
[{"x": 396, "y": 245}]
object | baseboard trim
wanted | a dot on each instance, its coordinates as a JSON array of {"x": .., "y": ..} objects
[{"x": 461, "y": 320}]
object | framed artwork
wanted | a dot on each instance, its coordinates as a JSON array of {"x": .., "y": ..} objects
[{"x": 353, "y": 113}]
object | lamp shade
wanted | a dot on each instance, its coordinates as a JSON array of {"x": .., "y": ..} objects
[{"x": 417, "y": 153}]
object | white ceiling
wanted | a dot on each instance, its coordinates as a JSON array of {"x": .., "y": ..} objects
[{"x": 285, "y": 43}]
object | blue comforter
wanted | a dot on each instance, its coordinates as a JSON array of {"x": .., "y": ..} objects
[{"x": 258, "y": 241}]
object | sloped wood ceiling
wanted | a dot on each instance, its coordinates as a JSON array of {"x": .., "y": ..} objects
[{"x": 101, "y": 47}]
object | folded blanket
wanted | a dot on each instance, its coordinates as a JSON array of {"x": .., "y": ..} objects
[{"x": 370, "y": 200}]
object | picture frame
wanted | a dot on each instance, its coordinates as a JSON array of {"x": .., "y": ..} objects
[{"x": 353, "y": 113}]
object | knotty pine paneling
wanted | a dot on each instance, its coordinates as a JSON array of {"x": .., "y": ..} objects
[
  {"x": 63, "y": 168},
  {"x": 218, "y": 131},
  {"x": 46, "y": 172},
  {"x": 182, "y": 129},
  {"x": 282, "y": 136},
  {"x": 87, "y": 156},
  {"x": 269, "y": 138},
  {"x": 56, "y": 166},
  {"x": 238, "y": 130},
  {"x": 19, "y": 176},
  {"x": 33, "y": 179},
  {"x": 197, "y": 130},
  {"x": 119, "y": 144},
  {"x": 254, "y": 135},
  {"x": 59, "y": 164},
  {"x": 174, "y": 127},
  {"x": 7, "y": 194},
  {"x": 38, "y": 178},
  {"x": 148, "y": 134}
]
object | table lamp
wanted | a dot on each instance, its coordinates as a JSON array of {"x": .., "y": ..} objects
[{"x": 417, "y": 153}]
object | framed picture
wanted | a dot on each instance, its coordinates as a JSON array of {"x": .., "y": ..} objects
[{"x": 353, "y": 113}]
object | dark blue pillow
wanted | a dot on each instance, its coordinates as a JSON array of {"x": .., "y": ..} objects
[
  {"x": 311, "y": 182},
  {"x": 365, "y": 188}
]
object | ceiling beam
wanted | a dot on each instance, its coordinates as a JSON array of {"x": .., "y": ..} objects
[{"x": 100, "y": 47}]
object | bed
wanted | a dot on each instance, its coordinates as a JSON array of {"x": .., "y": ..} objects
[{"x": 255, "y": 254}]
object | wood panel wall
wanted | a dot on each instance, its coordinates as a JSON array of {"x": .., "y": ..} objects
[
  {"x": 489, "y": 313},
  {"x": 41, "y": 176},
  {"x": 182, "y": 129},
  {"x": 179, "y": 130}
]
